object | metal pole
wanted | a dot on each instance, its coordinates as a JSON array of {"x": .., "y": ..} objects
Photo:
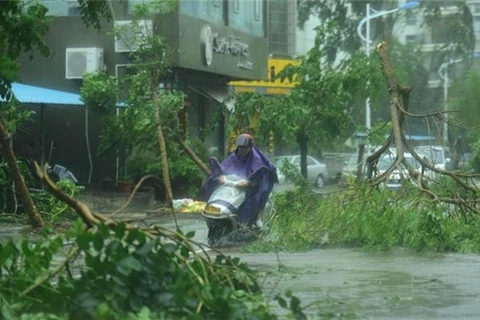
[
  {"x": 367, "y": 102},
  {"x": 117, "y": 160},
  {"x": 42, "y": 130},
  {"x": 445, "y": 107}
]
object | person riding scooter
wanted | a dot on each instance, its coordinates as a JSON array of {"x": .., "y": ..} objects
[{"x": 258, "y": 177}]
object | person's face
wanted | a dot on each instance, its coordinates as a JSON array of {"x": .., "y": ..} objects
[{"x": 244, "y": 151}]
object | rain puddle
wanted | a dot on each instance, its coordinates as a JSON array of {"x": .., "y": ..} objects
[{"x": 346, "y": 283}]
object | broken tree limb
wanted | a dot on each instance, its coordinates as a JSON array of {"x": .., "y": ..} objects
[
  {"x": 20, "y": 189},
  {"x": 134, "y": 192},
  {"x": 193, "y": 156}
]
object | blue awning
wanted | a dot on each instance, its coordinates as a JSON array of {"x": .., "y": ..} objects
[{"x": 38, "y": 95}]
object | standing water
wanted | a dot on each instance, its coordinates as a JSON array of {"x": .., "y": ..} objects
[{"x": 365, "y": 285}]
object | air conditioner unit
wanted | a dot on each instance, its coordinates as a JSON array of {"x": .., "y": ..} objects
[
  {"x": 79, "y": 61},
  {"x": 129, "y": 35}
]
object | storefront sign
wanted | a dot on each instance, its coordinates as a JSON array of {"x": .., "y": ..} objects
[
  {"x": 272, "y": 85},
  {"x": 212, "y": 43}
]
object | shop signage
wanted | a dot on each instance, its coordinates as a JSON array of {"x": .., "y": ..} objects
[
  {"x": 212, "y": 43},
  {"x": 272, "y": 85}
]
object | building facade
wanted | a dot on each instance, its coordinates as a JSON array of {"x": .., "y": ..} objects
[{"x": 212, "y": 42}]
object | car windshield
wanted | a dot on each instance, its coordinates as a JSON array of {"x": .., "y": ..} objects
[{"x": 387, "y": 161}]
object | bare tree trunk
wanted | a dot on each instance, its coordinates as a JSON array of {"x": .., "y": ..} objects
[
  {"x": 361, "y": 152},
  {"x": 302, "y": 139},
  {"x": 161, "y": 142},
  {"x": 20, "y": 187},
  {"x": 396, "y": 98},
  {"x": 193, "y": 156}
]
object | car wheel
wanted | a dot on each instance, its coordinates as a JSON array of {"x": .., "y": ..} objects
[{"x": 319, "y": 182}]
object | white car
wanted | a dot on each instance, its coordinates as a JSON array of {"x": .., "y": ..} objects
[
  {"x": 438, "y": 155},
  {"x": 400, "y": 174},
  {"x": 317, "y": 171}
]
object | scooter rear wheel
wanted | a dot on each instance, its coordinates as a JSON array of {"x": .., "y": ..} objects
[{"x": 218, "y": 229}]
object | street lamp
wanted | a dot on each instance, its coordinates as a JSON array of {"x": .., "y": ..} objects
[
  {"x": 443, "y": 73},
  {"x": 371, "y": 14}
]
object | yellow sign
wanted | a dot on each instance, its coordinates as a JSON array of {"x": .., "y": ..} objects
[
  {"x": 277, "y": 90},
  {"x": 274, "y": 67},
  {"x": 244, "y": 89}
]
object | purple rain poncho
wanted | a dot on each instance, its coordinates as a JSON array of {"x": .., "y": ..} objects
[{"x": 257, "y": 169}]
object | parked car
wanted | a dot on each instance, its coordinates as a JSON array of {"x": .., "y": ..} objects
[
  {"x": 316, "y": 170},
  {"x": 350, "y": 168},
  {"x": 439, "y": 156},
  {"x": 400, "y": 174}
]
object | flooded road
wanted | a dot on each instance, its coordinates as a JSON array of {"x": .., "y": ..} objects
[
  {"x": 368, "y": 285},
  {"x": 395, "y": 285},
  {"x": 350, "y": 283}
]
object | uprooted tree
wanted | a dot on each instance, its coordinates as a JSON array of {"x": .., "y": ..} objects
[{"x": 399, "y": 103}]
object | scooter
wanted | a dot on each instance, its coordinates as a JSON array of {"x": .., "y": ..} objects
[{"x": 220, "y": 212}]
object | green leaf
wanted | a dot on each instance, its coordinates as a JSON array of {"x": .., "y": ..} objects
[
  {"x": 130, "y": 263},
  {"x": 98, "y": 241},
  {"x": 282, "y": 302},
  {"x": 169, "y": 247},
  {"x": 120, "y": 230},
  {"x": 26, "y": 249},
  {"x": 83, "y": 241},
  {"x": 104, "y": 230},
  {"x": 145, "y": 249}
]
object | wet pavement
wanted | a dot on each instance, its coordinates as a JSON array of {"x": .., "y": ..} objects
[{"x": 399, "y": 284}]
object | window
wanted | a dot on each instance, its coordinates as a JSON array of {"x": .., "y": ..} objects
[
  {"x": 236, "y": 6},
  {"x": 476, "y": 26},
  {"x": 73, "y": 8},
  {"x": 257, "y": 8},
  {"x": 411, "y": 39},
  {"x": 476, "y": 8}
]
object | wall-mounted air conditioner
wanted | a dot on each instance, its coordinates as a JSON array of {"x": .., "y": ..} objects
[
  {"x": 129, "y": 35},
  {"x": 79, "y": 61}
]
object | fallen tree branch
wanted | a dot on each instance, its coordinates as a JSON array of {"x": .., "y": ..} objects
[
  {"x": 134, "y": 192},
  {"x": 399, "y": 96}
]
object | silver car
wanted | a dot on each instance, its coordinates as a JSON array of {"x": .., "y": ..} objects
[
  {"x": 400, "y": 174},
  {"x": 316, "y": 170},
  {"x": 439, "y": 156}
]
